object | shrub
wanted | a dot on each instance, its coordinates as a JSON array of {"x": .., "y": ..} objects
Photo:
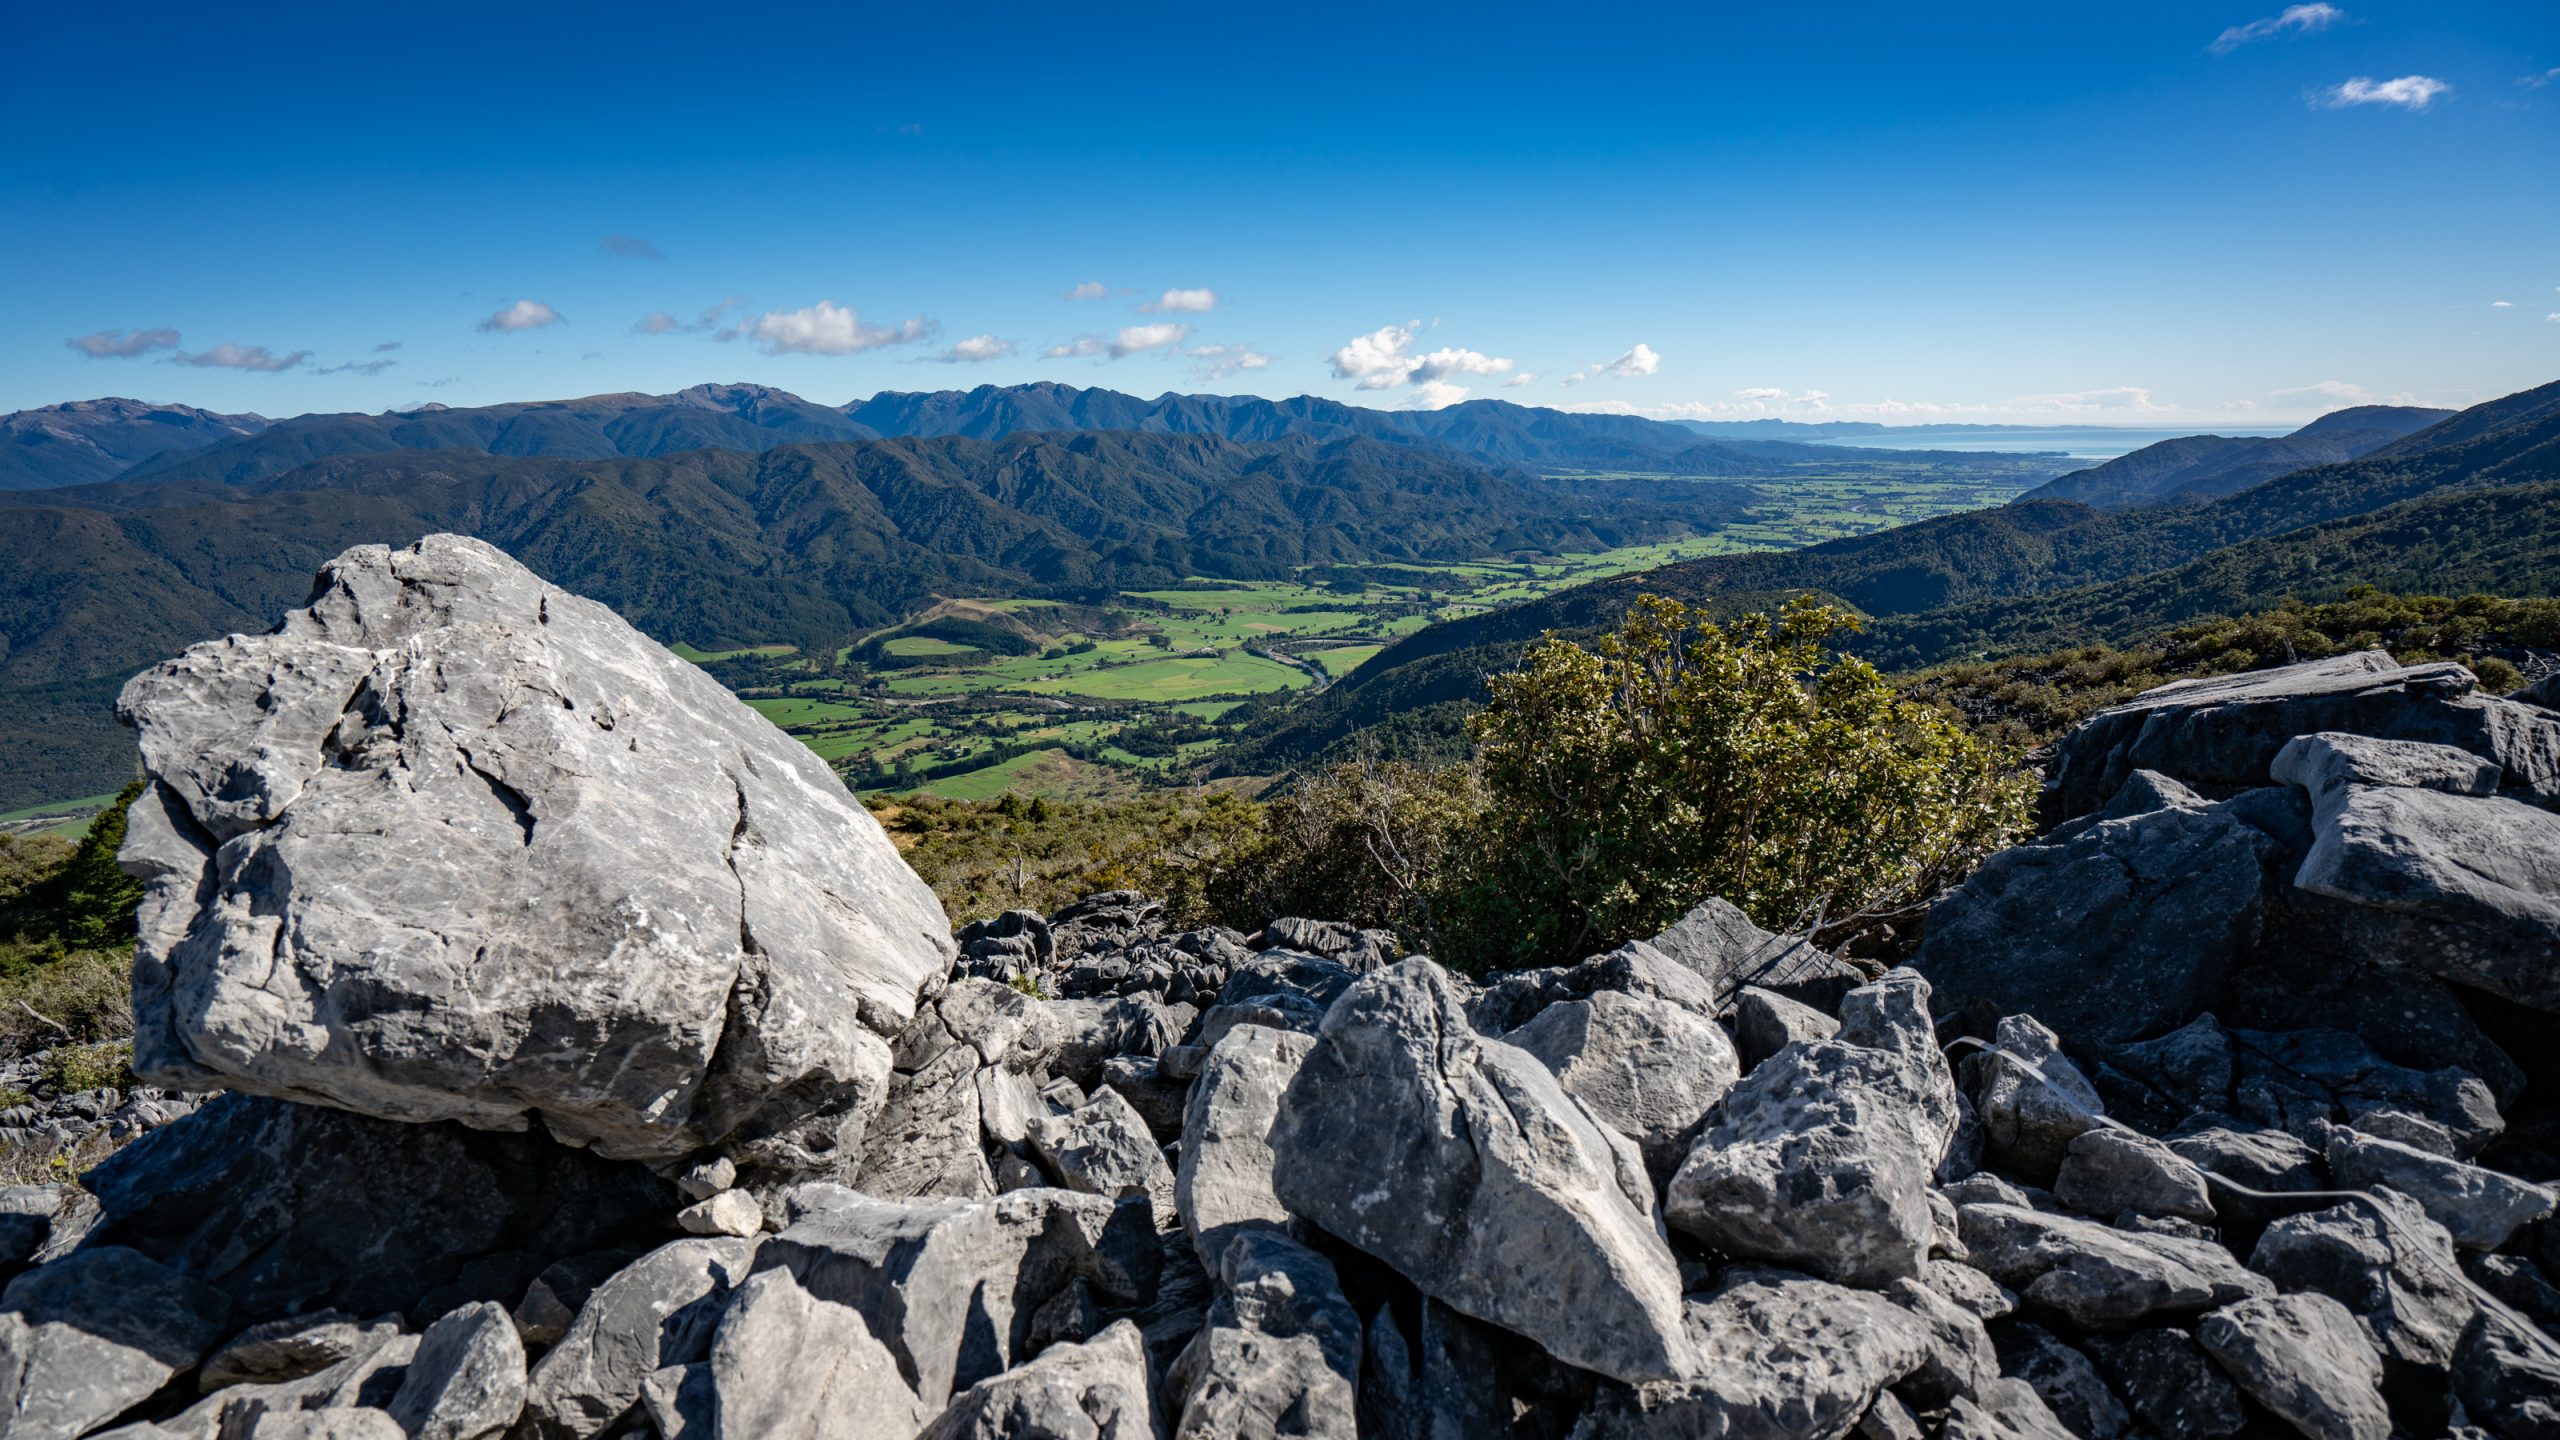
[
  {"x": 1373, "y": 842},
  {"x": 1677, "y": 760},
  {"x": 70, "y": 1069}
]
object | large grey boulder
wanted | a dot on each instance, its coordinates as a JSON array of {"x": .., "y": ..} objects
[
  {"x": 791, "y": 1364},
  {"x": 290, "y": 1348},
  {"x": 2111, "y": 1172},
  {"x": 2398, "y": 1278},
  {"x": 1647, "y": 1068},
  {"x": 2479, "y": 1207},
  {"x": 2174, "y": 898},
  {"x": 964, "y": 1066},
  {"x": 454, "y": 844},
  {"x": 1444, "y": 1377},
  {"x": 1103, "y": 1147},
  {"x": 1461, "y": 1163},
  {"x": 2065, "y": 1379},
  {"x": 2508, "y": 1379},
  {"x": 1722, "y": 946},
  {"x": 1097, "y": 1390},
  {"x": 1280, "y": 1354},
  {"x": 1821, "y": 1157},
  {"x": 239, "y": 1196},
  {"x": 467, "y": 1381},
  {"x": 948, "y": 1289},
  {"x": 2305, "y": 1358},
  {"x": 661, "y": 1311},
  {"x": 2033, "y": 1101},
  {"x": 2091, "y": 1274},
  {"x": 93, "y": 1334},
  {"x": 1514, "y": 999},
  {"x": 1779, "y": 1355},
  {"x": 2441, "y": 873},
  {"x": 1224, "y": 1184},
  {"x": 2168, "y": 1382},
  {"x": 2222, "y": 732}
]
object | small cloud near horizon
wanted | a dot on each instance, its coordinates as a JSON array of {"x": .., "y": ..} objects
[
  {"x": 124, "y": 344},
  {"x": 1642, "y": 360},
  {"x": 1180, "y": 302},
  {"x": 522, "y": 315},
  {"x": 356, "y": 367},
  {"x": 976, "y": 350},
  {"x": 2407, "y": 92},
  {"x": 227, "y": 356},
  {"x": 2295, "y": 19},
  {"x": 827, "y": 328},
  {"x": 629, "y": 247},
  {"x": 1086, "y": 290},
  {"x": 1383, "y": 359},
  {"x": 1220, "y": 361}
]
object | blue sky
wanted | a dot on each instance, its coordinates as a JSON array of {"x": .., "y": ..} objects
[{"x": 2196, "y": 214}]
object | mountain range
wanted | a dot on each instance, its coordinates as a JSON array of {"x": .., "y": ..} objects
[
  {"x": 89, "y": 440},
  {"x": 124, "y": 439},
  {"x": 805, "y": 544},
  {"x": 2204, "y": 467},
  {"x": 2469, "y": 502}
]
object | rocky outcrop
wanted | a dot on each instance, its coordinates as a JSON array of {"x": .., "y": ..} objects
[
  {"x": 453, "y": 844},
  {"x": 1102, "y": 1178}
]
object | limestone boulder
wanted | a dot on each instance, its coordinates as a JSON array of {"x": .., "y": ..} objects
[
  {"x": 454, "y": 844},
  {"x": 1459, "y": 1161}
]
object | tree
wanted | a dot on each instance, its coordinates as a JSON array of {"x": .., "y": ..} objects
[{"x": 1677, "y": 760}]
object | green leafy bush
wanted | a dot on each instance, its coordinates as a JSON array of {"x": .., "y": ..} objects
[{"x": 1678, "y": 759}]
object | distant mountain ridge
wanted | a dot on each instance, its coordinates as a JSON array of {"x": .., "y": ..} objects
[
  {"x": 803, "y": 544},
  {"x": 756, "y": 417},
  {"x": 90, "y": 440},
  {"x": 2203, "y": 467},
  {"x": 2467, "y": 501}
]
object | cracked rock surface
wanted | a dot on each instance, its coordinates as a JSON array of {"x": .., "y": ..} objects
[{"x": 454, "y": 844}]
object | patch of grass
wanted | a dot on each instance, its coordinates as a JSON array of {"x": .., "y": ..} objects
[{"x": 70, "y": 1069}]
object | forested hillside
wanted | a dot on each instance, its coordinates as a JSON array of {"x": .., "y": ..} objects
[
  {"x": 2468, "y": 504},
  {"x": 799, "y": 545}
]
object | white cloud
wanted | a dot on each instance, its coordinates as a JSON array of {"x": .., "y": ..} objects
[
  {"x": 1088, "y": 290},
  {"x": 522, "y": 315},
  {"x": 1441, "y": 364},
  {"x": 1134, "y": 339},
  {"x": 2302, "y": 19},
  {"x": 2536, "y": 82},
  {"x": 358, "y": 367},
  {"x": 124, "y": 344},
  {"x": 657, "y": 322},
  {"x": 227, "y": 356},
  {"x": 827, "y": 328},
  {"x": 1523, "y": 378},
  {"x": 1080, "y": 346},
  {"x": 1220, "y": 361},
  {"x": 1436, "y": 394},
  {"x": 2502, "y": 304},
  {"x": 976, "y": 350},
  {"x": 1377, "y": 360},
  {"x": 629, "y": 247},
  {"x": 1642, "y": 360},
  {"x": 1383, "y": 359},
  {"x": 2553, "y": 317},
  {"x": 2408, "y": 92},
  {"x": 1181, "y": 302},
  {"x": 1761, "y": 392}
]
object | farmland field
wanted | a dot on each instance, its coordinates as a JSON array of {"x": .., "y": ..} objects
[{"x": 1133, "y": 691}]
